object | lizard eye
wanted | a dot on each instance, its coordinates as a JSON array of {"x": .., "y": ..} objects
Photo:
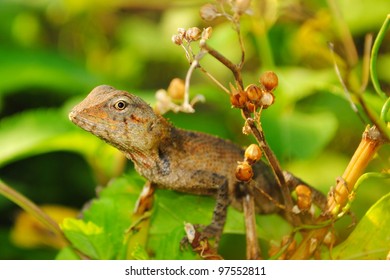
[{"x": 120, "y": 105}]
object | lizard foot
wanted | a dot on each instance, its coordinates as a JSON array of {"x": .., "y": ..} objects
[
  {"x": 199, "y": 241},
  {"x": 194, "y": 237}
]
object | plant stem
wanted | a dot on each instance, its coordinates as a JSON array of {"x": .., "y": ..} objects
[
  {"x": 275, "y": 166},
  {"x": 233, "y": 67},
  {"x": 31, "y": 208},
  {"x": 252, "y": 245},
  {"x": 385, "y": 110},
  {"x": 374, "y": 55},
  {"x": 367, "y": 148},
  {"x": 371, "y": 141}
]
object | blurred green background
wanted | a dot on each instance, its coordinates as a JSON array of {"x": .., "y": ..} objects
[{"x": 53, "y": 52}]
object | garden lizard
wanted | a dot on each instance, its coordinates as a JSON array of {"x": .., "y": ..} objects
[{"x": 178, "y": 159}]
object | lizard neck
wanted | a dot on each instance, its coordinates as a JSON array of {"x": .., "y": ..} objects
[{"x": 153, "y": 158}]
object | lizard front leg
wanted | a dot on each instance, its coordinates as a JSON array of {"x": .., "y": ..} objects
[{"x": 215, "y": 228}]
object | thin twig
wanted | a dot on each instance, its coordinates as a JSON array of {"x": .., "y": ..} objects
[
  {"x": 186, "y": 106},
  {"x": 275, "y": 166},
  {"x": 211, "y": 77},
  {"x": 225, "y": 61},
  {"x": 348, "y": 95}
]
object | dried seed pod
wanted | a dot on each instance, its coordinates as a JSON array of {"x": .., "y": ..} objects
[
  {"x": 208, "y": 12},
  {"x": 329, "y": 239},
  {"x": 246, "y": 129},
  {"x": 238, "y": 99},
  {"x": 181, "y": 32},
  {"x": 254, "y": 92},
  {"x": 250, "y": 106},
  {"x": 206, "y": 33},
  {"x": 253, "y": 154},
  {"x": 241, "y": 6},
  {"x": 176, "y": 89},
  {"x": 267, "y": 99},
  {"x": 304, "y": 200},
  {"x": 244, "y": 171},
  {"x": 193, "y": 34},
  {"x": 177, "y": 39},
  {"x": 269, "y": 80}
]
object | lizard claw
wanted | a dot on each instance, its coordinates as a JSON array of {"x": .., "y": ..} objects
[
  {"x": 194, "y": 237},
  {"x": 200, "y": 241}
]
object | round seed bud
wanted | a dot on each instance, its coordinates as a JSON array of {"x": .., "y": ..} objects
[
  {"x": 252, "y": 153},
  {"x": 254, "y": 92},
  {"x": 304, "y": 200},
  {"x": 176, "y": 89},
  {"x": 193, "y": 34},
  {"x": 208, "y": 12},
  {"x": 269, "y": 80},
  {"x": 267, "y": 99},
  {"x": 244, "y": 171}
]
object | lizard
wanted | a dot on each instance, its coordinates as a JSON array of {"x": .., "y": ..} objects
[{"x": 177, "y": 159}]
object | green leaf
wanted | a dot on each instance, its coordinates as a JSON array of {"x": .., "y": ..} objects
[
  {"x": 42, "y": 69},
  {"x": 67, "y": 253},
  {"x": 371, "y": 237},
  {"x": 173, "y": 209},
  {"x": 299, "y": 135},
  {"x": 85, "y": 236},
  {"x": 101, "y": 232}
]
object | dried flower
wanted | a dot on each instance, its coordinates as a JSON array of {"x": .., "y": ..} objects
[
  {"x": 206, "y": 34},
  {"x": 244, "y": 171},
  {"x": 304, "y": 200},
  {"x": 176, "y": 89},
  {"x": 239, "y": 99},
  {"x": 177, "y": 39},
  {"x": 269, "y": 80},
  {"x": 252, "y": 154},
  {"x": 193, "y": 34},
  {"x": 208, "y": 12},
  {"x": 267, "y": 99},
  {"x": 240, "y": 6},
  {"x": 254, "y": 92},
  {"x": 181, "y": 32}
]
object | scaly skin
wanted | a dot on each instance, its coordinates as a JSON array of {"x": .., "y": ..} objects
[{"x": 172, "y": 158}]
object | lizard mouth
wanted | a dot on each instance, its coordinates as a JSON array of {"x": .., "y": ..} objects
[{"x": 83, "y": 123}]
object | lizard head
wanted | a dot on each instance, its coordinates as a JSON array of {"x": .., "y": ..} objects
[{"x": 122, "y": 119}]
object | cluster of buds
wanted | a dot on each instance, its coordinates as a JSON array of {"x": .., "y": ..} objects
[
  {"x": 209, "y": 12},
  {"x": 190, "y": 35},
  {"x": 169, "y": 99},
  {"x": 244, "y": 171},
  {"x": 254, "y": 96}
]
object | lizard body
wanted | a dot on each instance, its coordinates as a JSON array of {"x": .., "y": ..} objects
[{"x": 173, "y": 158}]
